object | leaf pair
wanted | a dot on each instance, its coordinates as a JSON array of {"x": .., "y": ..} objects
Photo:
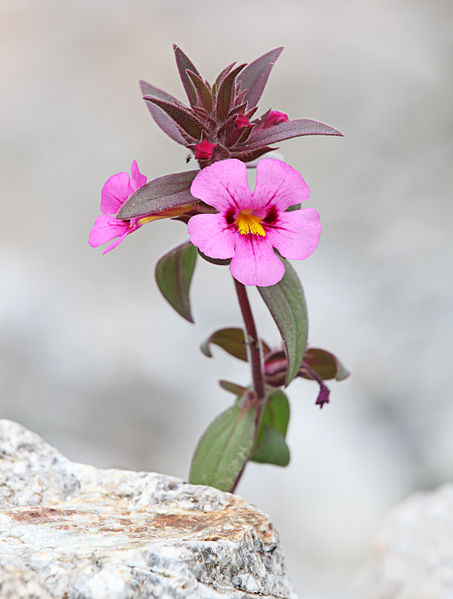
[{"x": 231, "y": 440}]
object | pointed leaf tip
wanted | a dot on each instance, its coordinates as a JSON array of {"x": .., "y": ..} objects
[
  {"x": 162, "y": 119},
  {"x": 255, "y": 75},
  {"x": 181, "y": 116},
  {"x": 287, "y": 130},
  {"x": 184, "y": 64}
]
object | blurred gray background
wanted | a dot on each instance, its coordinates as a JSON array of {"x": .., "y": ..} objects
[{"x": 93, "y": 359}]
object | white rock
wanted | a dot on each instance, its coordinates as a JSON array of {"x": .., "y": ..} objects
[
  {"x": 413, "y": 550},
  {"x": 73, "y": 531}
]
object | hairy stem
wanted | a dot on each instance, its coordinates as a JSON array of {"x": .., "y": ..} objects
[{"x": 255, "y": 357}]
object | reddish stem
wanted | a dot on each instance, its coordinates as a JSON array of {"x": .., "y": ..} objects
[{"x": 256, "y": 361}]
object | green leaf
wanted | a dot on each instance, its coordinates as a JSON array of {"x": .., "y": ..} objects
[
  {"x": 270, "y": 446},
  {"x": 233, "y": 388},
  {"x": 174, "y": 273},
  {"x": 232, "y": 340},
  {"x": 286, "y": 303},
  {"x": 273, "y": 449},
  {"x": 224, "y": 449},
  {"x": 276, "y": 412}
]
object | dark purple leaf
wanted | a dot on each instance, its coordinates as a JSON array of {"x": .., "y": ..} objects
[
  {"x": 162, "y": 119},
  {"x": 225, "y": 94},
  {"x": 161, "y": 194},
  {"x": 286, "y": 130},
  {"x": 247, "y": 156},
  {"x": 181, "y": 116},
  {"x": 184, "y": 64},
  {"x": 221, "y": 76},
  {"x": 174, "y": 273},
  {"x": 255, "y": 75},
  {"x": 204, "y": 93}
]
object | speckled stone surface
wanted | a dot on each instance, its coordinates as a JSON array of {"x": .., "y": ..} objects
[
  {"x": 413, "y": 550},
  {"x": 72, "y": 531}
]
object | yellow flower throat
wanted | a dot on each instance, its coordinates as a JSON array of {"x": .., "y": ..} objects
[{"x": 247, "y": 222}]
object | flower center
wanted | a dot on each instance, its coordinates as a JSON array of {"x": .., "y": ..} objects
[{"x": 247, "y": 222}]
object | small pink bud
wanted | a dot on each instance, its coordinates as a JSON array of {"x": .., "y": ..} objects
[
  {"x": 242, "y": 122},
  {"x": 274, "y": 117},
  {"x": 204, "y": 150}
]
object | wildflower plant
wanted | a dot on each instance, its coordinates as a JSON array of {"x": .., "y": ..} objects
[{"x": 255, "y": 233}]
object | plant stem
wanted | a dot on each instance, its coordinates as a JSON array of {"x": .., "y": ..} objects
[
  {"x": 254, "y": 352},
  {"x": 253, "y": 342}
]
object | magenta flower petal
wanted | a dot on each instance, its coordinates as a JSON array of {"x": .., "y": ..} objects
[
  {"x": 106, "y": 227},
  {"x": 296, "y": 234},
  {"x": 249, "y": 226},
  {"x": 222, "y": 185},
  {"x": 211, "y": 234},
  {"x": 255, "y": 262},
  {"x": 279, "y": 185},
  {"x": 274, "y": 117},
  {"x": 116, "y": 190},
  {"x": 117, "y": 241},
  {"x": 137, "y": 178}
]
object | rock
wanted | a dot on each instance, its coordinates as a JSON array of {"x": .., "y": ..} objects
[
  {"x": 413, "y": 551},
  {"x": 77, "y": 532}
]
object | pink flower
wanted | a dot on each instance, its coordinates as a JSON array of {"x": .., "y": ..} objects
[
  {"x": 117, "y": 189},
  {"x": 242, "y": 122},
  {"x": 204, "y": 150},
  {"x": 248, "y": 226},
  {"x": 274, "y": 117}
]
